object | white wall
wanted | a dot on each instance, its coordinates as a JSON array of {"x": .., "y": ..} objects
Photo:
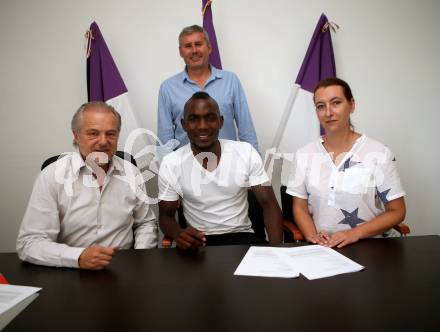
[{"x": 387, "y": 50}]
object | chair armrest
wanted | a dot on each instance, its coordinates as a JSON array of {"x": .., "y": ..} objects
[
  {"x": 167, "y": 242},
  {"x": 402, "y": 228},
  {"x": 292, "y": 230}
]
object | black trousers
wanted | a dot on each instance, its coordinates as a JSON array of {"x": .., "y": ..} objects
[{"x": 233, "y": 238}]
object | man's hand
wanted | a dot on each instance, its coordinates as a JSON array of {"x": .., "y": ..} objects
[
  {"x": 190, "y": 238},
  {"x": 96, "y": 257}
]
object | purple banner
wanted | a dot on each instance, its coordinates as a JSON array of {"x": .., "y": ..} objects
[
  {"x": 104, "y": 81},
  {"x": 319, "y": 62},
  {"x": 214, "y": 57}
]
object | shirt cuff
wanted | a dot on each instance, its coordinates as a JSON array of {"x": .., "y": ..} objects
[
  {"x": 168, "y": 197},
  {"x": 146, "y": 241},
  {"x": 396, "y": 196},
  {"x": 296, "y": 194},
  {"x": 70, "y": 256},
  {"x": 257, "y": 180}
]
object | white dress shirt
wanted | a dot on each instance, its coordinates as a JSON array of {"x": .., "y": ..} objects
[{"x": 68, "y": 212}]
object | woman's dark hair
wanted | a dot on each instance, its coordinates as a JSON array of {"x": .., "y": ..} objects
[{"x": 334, "y": 81}]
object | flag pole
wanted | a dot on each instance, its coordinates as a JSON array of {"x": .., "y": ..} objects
[
  {"x": 285, "y": 117},
  {"x": 269, "y": 157}
]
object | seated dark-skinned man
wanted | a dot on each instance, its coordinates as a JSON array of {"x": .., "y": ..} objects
[{"x": 211, "y": 178}]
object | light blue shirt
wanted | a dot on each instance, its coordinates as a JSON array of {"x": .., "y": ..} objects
[{"x": 224, "y": 87}]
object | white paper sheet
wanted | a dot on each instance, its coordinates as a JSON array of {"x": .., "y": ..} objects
[
  {"x": 316, "y": 262},
  {"x": 10, "y": 295},
  {"x": 7, "y": 316},
  {"x": 265, "y": 262},
  {"x": 312, "y": 261}
]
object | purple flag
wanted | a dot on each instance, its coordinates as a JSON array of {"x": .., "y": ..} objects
[
  {"x": 214, "y": 57},
  {"x": 104, "y": 81},
  {"x": 319, "y": 62},
  {"x": 299, "y": 124}
]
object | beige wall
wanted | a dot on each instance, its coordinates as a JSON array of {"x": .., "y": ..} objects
[{"x": 387, "y": 50}]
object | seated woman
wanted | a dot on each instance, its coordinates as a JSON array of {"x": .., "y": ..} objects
[{"x": 345, "y": 186}]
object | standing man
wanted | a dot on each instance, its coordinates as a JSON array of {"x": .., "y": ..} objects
[
  {"x": 88, "y": 203},
  {"x": 199, "y": 75},
  {"x": 211, "y": 177}
]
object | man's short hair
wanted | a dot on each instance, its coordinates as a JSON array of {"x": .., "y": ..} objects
[
  {"x": 200, "y": 95},
  {"x": 193, "y": 29},
  {"x": 77, "y": 117}
]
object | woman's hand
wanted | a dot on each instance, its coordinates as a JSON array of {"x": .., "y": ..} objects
[
  {"x": 321, "y": 238},
  {"x": 343, "y": 238}
]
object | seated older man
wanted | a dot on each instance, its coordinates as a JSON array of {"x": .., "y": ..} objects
[{"x": 89, "y": 203}]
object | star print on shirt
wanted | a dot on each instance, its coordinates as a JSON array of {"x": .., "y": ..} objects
[
  {"x": 383, "y": 195},
  {"x": 351, "y": 218},
  {"x": 348, "y": 163}
]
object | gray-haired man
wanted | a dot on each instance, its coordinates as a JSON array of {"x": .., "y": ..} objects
[
  {"x": 199, "y": 75},
  {"x": 89, "y": 203}
]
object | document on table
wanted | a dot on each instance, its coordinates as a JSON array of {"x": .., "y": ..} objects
[
  {"x": 265, "y": 262},
  {"x": 312, "y": 261},
  {"x": 10, "y": 295},
  {"x": 13, "y": 299},
  {"x": 316, "y": 261}
]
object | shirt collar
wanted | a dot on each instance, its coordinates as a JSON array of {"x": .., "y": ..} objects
[
  {"x": 215, "y": 73},
  {"x": 352, "y": 154},
  {"x": 78, "y": 163}
]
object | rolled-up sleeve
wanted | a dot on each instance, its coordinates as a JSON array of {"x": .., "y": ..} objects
[
  {"x": 169, "y": 188},
  {"x": 257, "y": 174},
  {"x": 388, "y": 183},
  {"x": 296, "y": 185}
]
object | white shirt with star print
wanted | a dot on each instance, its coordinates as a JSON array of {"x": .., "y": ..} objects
[{"x": 353, "y": 191}]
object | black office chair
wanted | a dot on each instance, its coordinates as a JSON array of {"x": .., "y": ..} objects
[
  {"x": 292, "y": 232},
  {"x": 120, "y": 154},
  {"x": 255, "y": 213}
]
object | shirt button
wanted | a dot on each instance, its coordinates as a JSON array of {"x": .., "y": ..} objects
[{"x": 99, "y": 226}]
